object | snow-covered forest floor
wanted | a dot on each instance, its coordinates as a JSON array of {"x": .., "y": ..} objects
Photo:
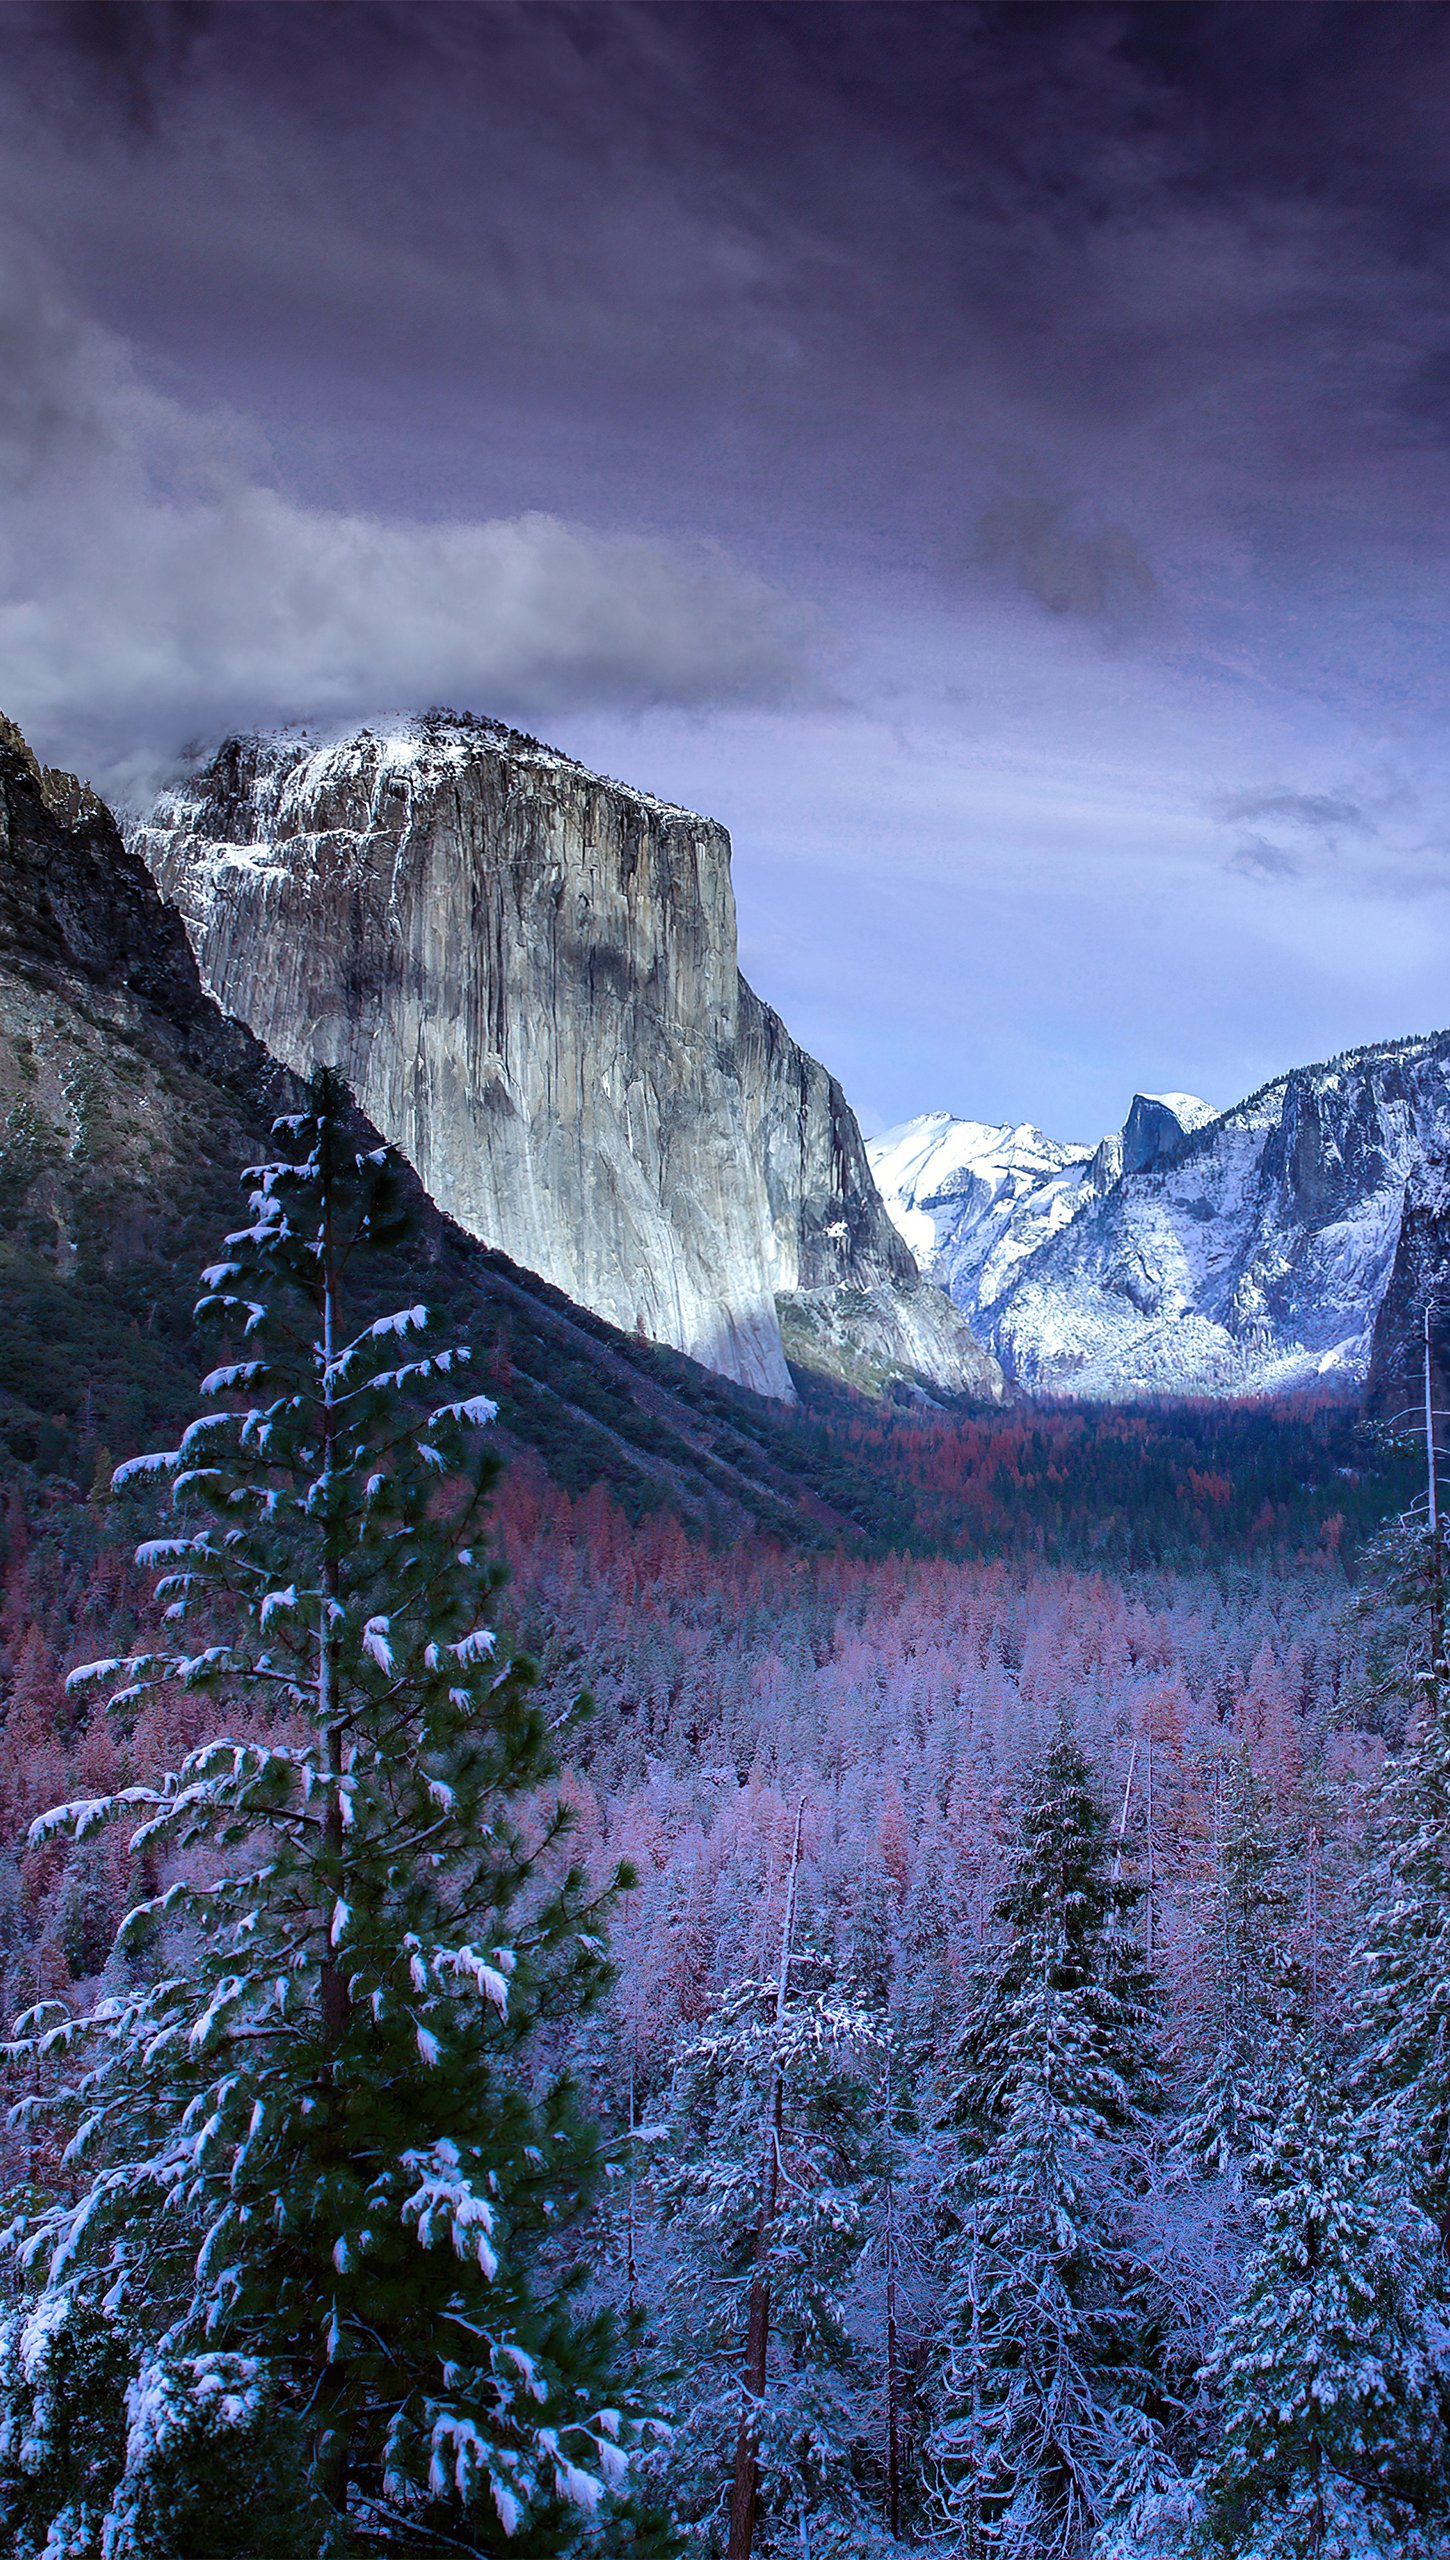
[{"x": 1037, "y": 1899}]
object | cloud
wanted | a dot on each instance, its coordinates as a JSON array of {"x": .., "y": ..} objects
[
  {"x": 136, "y": 56},
  {"x": 1088, "y": 570},
  {"x": 1377, "y": 838},
  {"x": 1258, "y": 858},
  {"x": 1321, "y": 813},
  {"x": 154, "y": 581},
  {"x": 1291, "y": 832}
]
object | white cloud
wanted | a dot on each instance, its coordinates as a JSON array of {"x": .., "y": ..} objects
[{"x": 154, "y": 582}]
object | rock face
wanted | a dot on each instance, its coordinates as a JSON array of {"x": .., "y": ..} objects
[
  {"x": 527, "y": 974},
  {"x": 1419, "y": 1276},
  {"x": 1156, "y": 1126},
  {"x": 129, "y": 1104},
  {"x": 1231, "y": 1255}
]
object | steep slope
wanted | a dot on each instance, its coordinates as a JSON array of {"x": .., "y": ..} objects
[
  {"x": 128, "y": 1104},
  {"x": 527, "y": 974},
  {"x": 126, "y": 1098},
  {"x": 1254, "y": 1255},
  {"x": 1419, "y": 1277}
]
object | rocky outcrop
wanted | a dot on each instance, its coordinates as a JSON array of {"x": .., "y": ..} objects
[
  {"x": 527, "y": 974},
  {"x": 827, "y": 1223},
  {"x": 1156, "y": 1126}
]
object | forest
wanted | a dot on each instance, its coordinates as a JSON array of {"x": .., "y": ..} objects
[{"x": 542, "y": 2026}]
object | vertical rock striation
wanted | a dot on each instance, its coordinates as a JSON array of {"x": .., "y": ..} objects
[
  {"x": 528, "y": 976},
  {"x": 1419, "y": 1277}
]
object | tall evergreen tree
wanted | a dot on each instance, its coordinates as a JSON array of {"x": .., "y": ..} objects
[
  {"x": 1333, "y": 2372},
  {"x": 1045, "y": 2382},
  {"x": 1405, "y": 2062},
  {"x": 1250, "y": 1996},
  {"x": 769, "y": 2184},
  {"x": 324, "y": 2164}
]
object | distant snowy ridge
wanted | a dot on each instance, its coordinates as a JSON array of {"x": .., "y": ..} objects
[
  {"x": 975, "y": 1200},
  {"x": 1198, "y": 1252}
]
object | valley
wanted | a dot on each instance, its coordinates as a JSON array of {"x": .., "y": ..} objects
[{"x": 1076, "y": 1494}]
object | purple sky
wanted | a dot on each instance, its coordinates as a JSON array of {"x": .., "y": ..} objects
[{"x": 996, "y": 459}]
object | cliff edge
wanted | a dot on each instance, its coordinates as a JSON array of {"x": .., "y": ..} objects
[{"x": 527, "y": 974}]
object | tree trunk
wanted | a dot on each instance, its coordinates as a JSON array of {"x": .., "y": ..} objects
[
  {"x": 331, "y": 2441},
  {"x": 893, "y": 2379},
  {"x": 745, "y": 2487},
  {"x": 332, "y": 1983},
  {"x": 1432, "y": 1503},
  {"x": 745, "y": 2484}
]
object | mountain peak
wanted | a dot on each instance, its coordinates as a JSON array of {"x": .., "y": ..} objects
[{"x": 1158, "y": 1123}]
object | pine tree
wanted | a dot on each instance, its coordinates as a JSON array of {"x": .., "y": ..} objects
[
  {"x": 1406, "y": 1953},
  {"x": 1044, "y": 2379},
  {"x": 1333, "y": 2372},
  {"x": 1250, "y": 2001},
  {"x": 324, "y": 2162},
  {"x": 768, "y": 2185}
]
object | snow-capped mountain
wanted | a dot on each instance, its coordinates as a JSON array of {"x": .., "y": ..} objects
[
  {"x": 976, "y": 1200},
  {"x": 1200, "y": 1253}
]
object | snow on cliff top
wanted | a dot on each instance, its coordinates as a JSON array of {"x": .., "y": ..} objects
[
  {"x": 314, "y": 757},
  {"x": 1189, "y": 1109}
]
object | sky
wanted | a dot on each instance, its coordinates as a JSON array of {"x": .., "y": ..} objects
[{"x": 997, "y": 459}]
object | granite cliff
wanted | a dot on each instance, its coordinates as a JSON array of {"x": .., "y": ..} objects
[
  {"x": 1419, "y": 1277},
  {"x": 129, "y": 1104},
  {"x": 527, "y": 974}
]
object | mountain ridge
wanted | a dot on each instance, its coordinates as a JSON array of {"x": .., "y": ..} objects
[{"x": 1250, "y": 1253}]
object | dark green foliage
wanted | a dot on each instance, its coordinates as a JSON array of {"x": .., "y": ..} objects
[
  {"x": 1067, "y": 1921},
  {"x": 191, "y": 2463},
  {"x": 323, "y": 2136}
]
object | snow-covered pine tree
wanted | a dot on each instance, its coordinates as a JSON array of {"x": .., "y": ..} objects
[
  {"x": 1405, "y": 1943},
  {"x": 1333, "y": 2373},
  {"x": 1405, "y": 1947},
  {"x": 767, "y": 2184},
  {"x": 1045, "y": 2371},
  {"x": 321, "y": 2158},
  {"x": 1250, "y": 1993}
]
